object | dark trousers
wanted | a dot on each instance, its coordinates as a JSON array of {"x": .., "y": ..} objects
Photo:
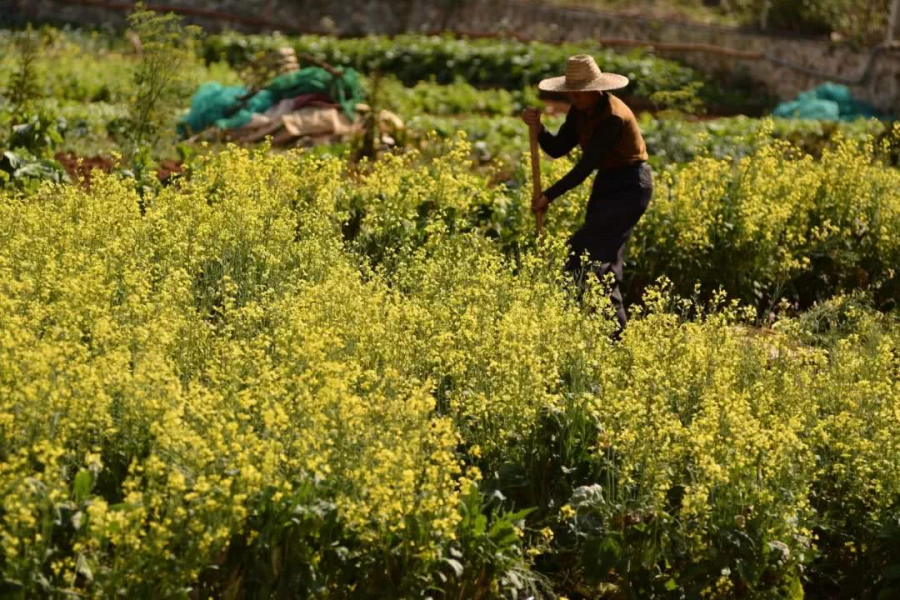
[{"x": 618, "y": 200}]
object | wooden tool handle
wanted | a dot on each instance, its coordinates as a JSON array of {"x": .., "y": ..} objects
[{"x": 536, "y": 175}]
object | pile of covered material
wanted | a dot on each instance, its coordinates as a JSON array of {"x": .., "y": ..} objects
[
  {"x": 828, "y": 102},
  {"x": 314, "y": 103}
]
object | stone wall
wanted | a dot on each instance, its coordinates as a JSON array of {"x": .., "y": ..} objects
[
  {"x": 797, "y": 63},
  {"x": 792, "y": 63},
  {"x": 347, "y": 17}
]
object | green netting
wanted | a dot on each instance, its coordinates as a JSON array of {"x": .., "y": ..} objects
[
  {"x": 259, "y": 102},
  {"x": 210, "y": 102},
  {"x": 345, "y": 90},
  {"x": 228, "y": 107},
  {"x": 828, "y": 102}
]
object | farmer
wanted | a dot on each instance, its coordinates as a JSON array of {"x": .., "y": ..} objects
[{"x": 611, "y": 144}]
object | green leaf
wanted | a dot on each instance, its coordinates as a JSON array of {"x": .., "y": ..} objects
[
  {"x": 521, "y": 514},
  {"x": 81, "y": 487},
  {"x": 502, "y": 533}
]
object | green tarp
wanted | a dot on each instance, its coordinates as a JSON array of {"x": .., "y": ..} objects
[{"x": 828, "y": 102}]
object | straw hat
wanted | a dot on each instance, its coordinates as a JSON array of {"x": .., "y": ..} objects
[{"x": 583, "y": 75}]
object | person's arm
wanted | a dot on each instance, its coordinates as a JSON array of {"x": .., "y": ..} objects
[
  {"x": 561, "y": 143},
  {"x": 604, "y": 139}
]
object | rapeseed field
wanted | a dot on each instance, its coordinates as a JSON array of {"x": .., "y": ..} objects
[{"x": 282, "y": 376}]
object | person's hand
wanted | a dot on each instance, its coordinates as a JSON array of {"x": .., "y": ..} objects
[
  {"x": 532, "y": 117},
  {"x": 539, "y": 204}
]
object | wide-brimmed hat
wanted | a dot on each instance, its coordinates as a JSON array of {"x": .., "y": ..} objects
[{"x": 583, "y": 75}]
